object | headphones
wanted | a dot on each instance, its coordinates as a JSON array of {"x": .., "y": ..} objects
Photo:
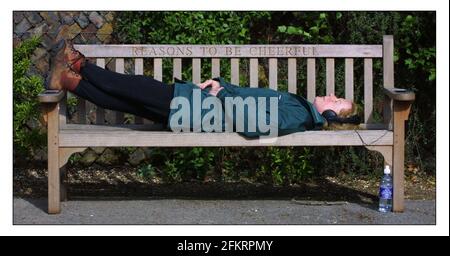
[{"x": 332, "y": 117}]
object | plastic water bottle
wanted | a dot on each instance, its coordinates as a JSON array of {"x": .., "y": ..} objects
[{"x": 386, "y": 191}]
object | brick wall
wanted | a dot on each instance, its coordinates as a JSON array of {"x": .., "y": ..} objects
[{"x": 81, "y": 27}]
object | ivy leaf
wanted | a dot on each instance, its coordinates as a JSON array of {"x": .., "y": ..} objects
[
  {"x": 432, "y": 75},
  {"x": 281, "y": 29},
  {"x": 292, "y": 30},
  {"x": 314, "y": 30}
]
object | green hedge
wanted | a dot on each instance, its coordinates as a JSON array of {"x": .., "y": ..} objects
[{"x": 28, "y": 135}]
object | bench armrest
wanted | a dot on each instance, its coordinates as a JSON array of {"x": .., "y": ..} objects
[
  {"x": 51, "y": 96},
  {"x": 399, "y": 94}
]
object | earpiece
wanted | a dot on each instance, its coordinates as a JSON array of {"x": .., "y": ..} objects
[{"x": 332, "y": 117}]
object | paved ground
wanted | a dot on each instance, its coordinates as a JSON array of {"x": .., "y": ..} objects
[{"x": 179, "y": 211}]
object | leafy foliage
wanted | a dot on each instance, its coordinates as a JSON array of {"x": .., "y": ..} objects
[
  {"x": 27, "y": 136},
  {"x": 414, "y": 55},
  {"x": 187, "y": 28}
]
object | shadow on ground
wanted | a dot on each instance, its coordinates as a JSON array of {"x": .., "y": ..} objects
[{"x": 320, "y": 192}]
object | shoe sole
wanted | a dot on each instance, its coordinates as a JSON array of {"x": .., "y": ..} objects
[{"x": 53, "y": 52}]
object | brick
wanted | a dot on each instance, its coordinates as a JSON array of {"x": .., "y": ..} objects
[
  {"x": 104, "y": 33},
  {"x": 98, "y": 150},
  {"x": 22, "y": 27},
  {"x": 97, "y": 19},
  {"x": 40, "y": 30},
  {"x": 136, "y": 157},
  {"x": 82, "y": 20},
  {"x": 33, "y": 17},
  {"x": 79, "y": 39},
  {"x": 50, "y": 17},
  {"x": 42, "y": 66},
  {"x": 88, "y": 34},
  {"x": 53, "y": 30},
  {"x": 108, "y": 157},
  {"x": 18, "y": 17},
  {"x": 38, "y": 54},
  {"x": 67, "y": 18},
  {"x": 47, "y": 42},
  {"x": 63, "y": 32},
  {"x": 74, "y": 30},
  {"x": 109, "y": 16},
  {"x": 89, "y": 157}
]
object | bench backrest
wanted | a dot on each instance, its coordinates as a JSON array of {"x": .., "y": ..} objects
[{"x": 234, "y": 53}]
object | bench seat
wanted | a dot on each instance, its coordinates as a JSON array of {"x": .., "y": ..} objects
[{"x": 76, "y": 135}]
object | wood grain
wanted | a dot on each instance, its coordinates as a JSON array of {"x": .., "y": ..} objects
[
  {"x": 125, "y": 138},
  {"x": 232, "y": 51}
]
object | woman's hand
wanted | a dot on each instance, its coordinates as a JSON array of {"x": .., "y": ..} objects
[{"x": 215, "y": 86}]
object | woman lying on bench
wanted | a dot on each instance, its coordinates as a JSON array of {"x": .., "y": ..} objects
[{"x": 169, "y": 104}]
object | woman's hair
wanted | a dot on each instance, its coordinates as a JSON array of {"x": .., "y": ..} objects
[{"x": 344, "y": 114}]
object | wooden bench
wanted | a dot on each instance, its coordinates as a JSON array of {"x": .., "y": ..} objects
[{"x": 386, "y": 137}]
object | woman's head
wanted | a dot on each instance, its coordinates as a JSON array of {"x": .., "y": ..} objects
[
  {"x": 339, "y": 105},
  {"x": 342, "y": 107}
]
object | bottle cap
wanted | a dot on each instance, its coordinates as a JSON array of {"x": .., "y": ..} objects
[{"x": 387, "y": 170}]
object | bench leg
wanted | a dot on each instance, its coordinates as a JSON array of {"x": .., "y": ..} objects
[
  {"x": 398, "y": 157},
  {"x": 63, "y": 183},
  {"x": 64, "y": 155},
  {"x": 401, "y": 113},
  {"x": 54, "y": 175},
  {"x": 54, "y": 182}
]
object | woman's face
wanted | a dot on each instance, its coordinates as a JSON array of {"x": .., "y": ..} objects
[{"x": 332, "y": 102}]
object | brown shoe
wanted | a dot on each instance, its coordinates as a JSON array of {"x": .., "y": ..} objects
[
  {"x": 69, "y": 79},
  {"x": 74, "y": 58},
  {"x": 62, "y": 78},
  {"x": 63, "y": 58}
]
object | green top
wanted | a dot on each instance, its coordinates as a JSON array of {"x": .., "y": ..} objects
[{"x": 295, "y": 114}]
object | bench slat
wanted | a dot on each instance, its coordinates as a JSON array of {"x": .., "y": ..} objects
[
  {"x": 157, "y": 75},
  {"x": 125, "y": 138},
  {"x": 349, "y": 79},
  {"x": 368, "y": 90},
  {"x": 215, "y": 67},
  {"x": 157, "y": 69},
  {"x": 160, "y": 127},
  {"x": 253, "y": 72},
  {"x": 63, "y": 110},
  {"x": 196, "y": 70},
  {"x": 311, "y": 78},
  {"x": 330, "y": 76},
  {"x": 100, "y": 112},
  {"x": 120, "y": 68},
  {"x": 138, "y": 70},
  {"x": 235, "y": 71},
  {"x": 292, "y": 75},
  {"x": 273, "y": 73},
  {"x": 231, "y": 51},
  {"x": 177, "y": 68}
]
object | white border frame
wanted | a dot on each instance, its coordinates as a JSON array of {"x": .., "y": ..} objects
[{"x": 442, "y": 227}]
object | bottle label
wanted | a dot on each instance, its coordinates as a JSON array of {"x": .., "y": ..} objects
[{"x": 386, "y": 193}]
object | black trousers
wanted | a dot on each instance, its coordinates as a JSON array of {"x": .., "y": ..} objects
[{"x": 135, "y": 94}]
